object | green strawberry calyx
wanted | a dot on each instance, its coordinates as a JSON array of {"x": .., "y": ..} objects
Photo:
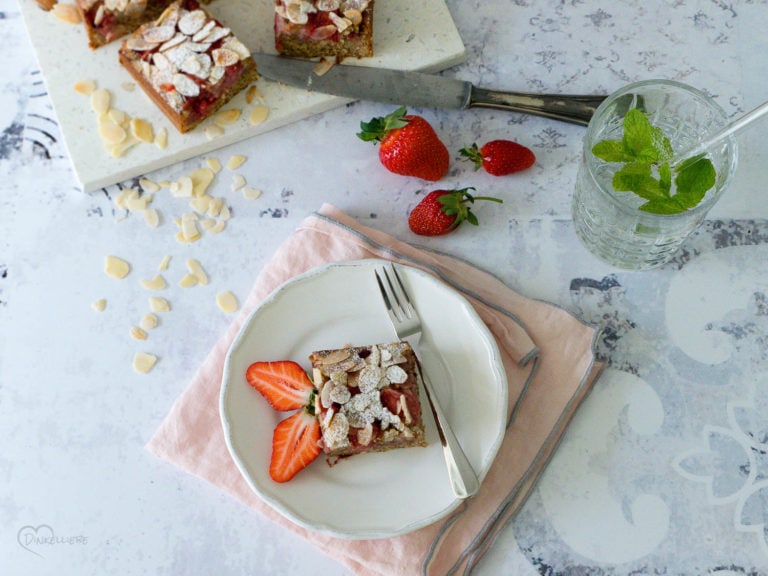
[
  {"x": 457, "y": 203},
  {"x": 473, "y": 153},
  {"x": 377, "y": 128}
]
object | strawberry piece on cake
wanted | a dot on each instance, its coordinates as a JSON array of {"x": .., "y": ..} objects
[
  {"x": 188, "y": 63},
  {"x": 367, "y": 399},
  {"x": 318, "y": 28}
]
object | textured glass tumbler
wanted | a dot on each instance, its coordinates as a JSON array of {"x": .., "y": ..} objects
[{"x": 610, "y": 223}]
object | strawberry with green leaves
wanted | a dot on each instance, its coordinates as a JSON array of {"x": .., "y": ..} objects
[
  {"x": 296, "y": 439},
  {"x": 442, "y": 211},
  {"x": 500, "y": 157},
  {"x": 408, "y": 145}
]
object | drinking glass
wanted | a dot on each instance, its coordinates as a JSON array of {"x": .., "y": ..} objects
[{"x": 609, "y": 223}]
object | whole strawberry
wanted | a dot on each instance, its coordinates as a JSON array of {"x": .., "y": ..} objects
[
  {"x": 408, "y": 145},
  {"x": 442, "y": 211},
  {"x": 500, "y": 157}
]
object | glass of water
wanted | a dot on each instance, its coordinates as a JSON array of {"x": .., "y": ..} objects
[{"x": 610, "y": 223}]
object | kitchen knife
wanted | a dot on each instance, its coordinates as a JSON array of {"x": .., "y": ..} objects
[{"x": 421, "y": 90}]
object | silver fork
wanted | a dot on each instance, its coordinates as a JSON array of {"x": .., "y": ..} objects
[{"x": 407, "y": 325}]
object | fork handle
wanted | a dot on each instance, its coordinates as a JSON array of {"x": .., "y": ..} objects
[{"x": 460, "y": 472}]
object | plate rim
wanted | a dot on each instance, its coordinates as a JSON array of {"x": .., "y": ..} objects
[{"x": 495, "y": 363}]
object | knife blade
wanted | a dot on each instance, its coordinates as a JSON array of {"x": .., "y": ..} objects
[{"x": 417, "y": 89}]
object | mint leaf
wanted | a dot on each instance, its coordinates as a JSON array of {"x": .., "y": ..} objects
[
  {"x": 637, "y": 133},
  {"x": 663, "y": 206},
  {"x": 612, "y": 151},
  {"x": 693, "y": 180},
  {"x": 637, "y": 178}
]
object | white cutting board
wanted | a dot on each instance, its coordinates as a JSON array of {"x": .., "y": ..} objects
[{"x": 408, "y": 35}]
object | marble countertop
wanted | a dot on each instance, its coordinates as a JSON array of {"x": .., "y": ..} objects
[{"x": 663, "y": 470}]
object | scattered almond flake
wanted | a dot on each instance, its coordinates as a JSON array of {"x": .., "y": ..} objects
[
  {"x": 117, "y": 116},
  {"x": 67, "y": 13},
  {"x": 225, "y": 214},
  {"x": 207, "y": 224},
  {"x": 258, "y": 114},
  {"x": 238, "y": 181},
  {"x": 152, "y": 217},
  {"x": 164, "y": 263},
  {"x": 85, "y": 87},
  {"x": 251, "y": 193},
  {"x": 156, "y": 283},
  {"x": 183, "y": 187},
  {"x": 159, "y": 304},
  {"x": 323, "y": 66},
  {"x": 226, "y": 117},
  {"x": 218, "y": 227},
  {"x": 99, "y": 305},
  {"x": 252, "y": 94},
  {"x": 164, "y": 184},
  {"x": 235, "y": 162},
  {"x": 213, "y": 131},
  {"x": 215, "y": 206},
  {"x": 227, "y": 302},
  {"x": 100, "y": 100},
  {"x": 136, "y": 203},
  {"x": 148, "y": 185},
  {"x": 143, "y": 362},
  {"x": 161, "y": 138},
  {"x": 138, "y": 333},
  {"x": 188, "y": 280},
  {"x": 110, "y": 132},
  {"x": 201, "y": 179},
  {"x": 196, "y": 269},
  {"x": 149, "y": 321},
  {"x": 142, "y": 130},
  {"x": 189, "y": 231},
  {"x": 121, "y": 148},
  {"x": 116, "y": 267},
  {"x": 214, "y": 164},
  {"x": 122, "y": 197},
  {"x": 201, "y": 204},
  {"x": 128, "y": 86}
]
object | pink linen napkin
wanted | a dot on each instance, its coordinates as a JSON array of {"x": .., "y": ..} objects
[{"x": 550, "y": 365}]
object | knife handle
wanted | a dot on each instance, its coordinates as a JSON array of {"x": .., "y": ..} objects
[{"x": 576, "y": 109}]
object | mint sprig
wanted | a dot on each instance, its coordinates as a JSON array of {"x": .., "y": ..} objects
[{"x": 645, "y": 152}]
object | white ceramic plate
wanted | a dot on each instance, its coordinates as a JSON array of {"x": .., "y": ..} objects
[
  {"x": 408, "y": 36},
  {"x": 369, "y": 495}
]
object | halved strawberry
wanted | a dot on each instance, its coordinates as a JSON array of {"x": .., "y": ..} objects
[
  {"x": 283, "y": 383},
  {"x": 295, "y": 444}
]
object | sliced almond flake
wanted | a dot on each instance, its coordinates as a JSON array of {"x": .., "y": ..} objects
[
  {"x": 213, "y": 131},
  {"x": 214, "y": 164},
  {"x": 143, "y": 362},
  {"x": 99, "y": 305},
  {"x": 225, "y": 213},
  {"x": 236, "y": 161},
  {"x": 139, "y": 44},
  {"x": 227, "y": 302},
  {"x": 258, "y": 114},
  {"x": 156, "y": 283},
  {"x": 67, "y": 13},
  {"x": 207, "y": 223},
  {"x": 204, "y": 31},
  {"x": 196, "y": 269},
  {"x": 148, "y": 185},
  {"x": 136, "y": 203},
  {"x": 191, "y": 22},
  {"x": 128, "y": 86},
  {"x": 118, "y": 150},
  {"x": 158, "y": 34},
  {"x": 100, "y": 100},
  {"x": 138, "y": 333},
  {"x": 173, "y": 43},
  {"x": 117, "y": 116},
  {"x": 46, "y": 4},
  {"x": 201, "y": 204},
  {"x": 188, "y": 281},
  {"x": 354, "y": 16},
  {"x": 159, "y": 304},
  {"x": 225, "y": 57},
  {"x": 197, "y": 65},
  {"x": 189, "y": 230},
  {"x": 253, "y": 94},
  {"x": 218, "y": 227},
  {"x": 238, "y": 181},
  {"x": 216, "y": 34},
  {"x": 238, "y": 48},
  {"x": 116, "y": 267},
  {"x": 215, "y": 206},
  {"x": 161, "y": 138},
  {"x": 152, "y": 217},
  {"x": 85, "y": 87},
  {"x": 201, "y": 179},
  {"x": 122, "y": 197},
  {"x": 251, "y": 193},
  {"x": 183, "y": 187},
  {"x": 185, "y": 85},
  {"x": 217, "y": 73},
  {"x": 226, "y": 117},
  {"x": 149, "y": 321},
  {"x": 164, "y": 263},
  {"x": 323, "y": 66},
  {"x": 142, "y": 130}
]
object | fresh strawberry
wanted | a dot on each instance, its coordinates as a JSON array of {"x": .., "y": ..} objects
[
  {"x": 441, "y": 211},
  {"x": 500, "y": 157},
  {"x": 283, "y": 383},
  {"x": 295, "y": 444},
  {"x": 409, "y": 145}
]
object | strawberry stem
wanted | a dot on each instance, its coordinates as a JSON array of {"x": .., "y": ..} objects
[
  {"x": 456, "y": 203},
  {"x": 378, "y": 127},
  {"x": 473, "y": 153}
]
